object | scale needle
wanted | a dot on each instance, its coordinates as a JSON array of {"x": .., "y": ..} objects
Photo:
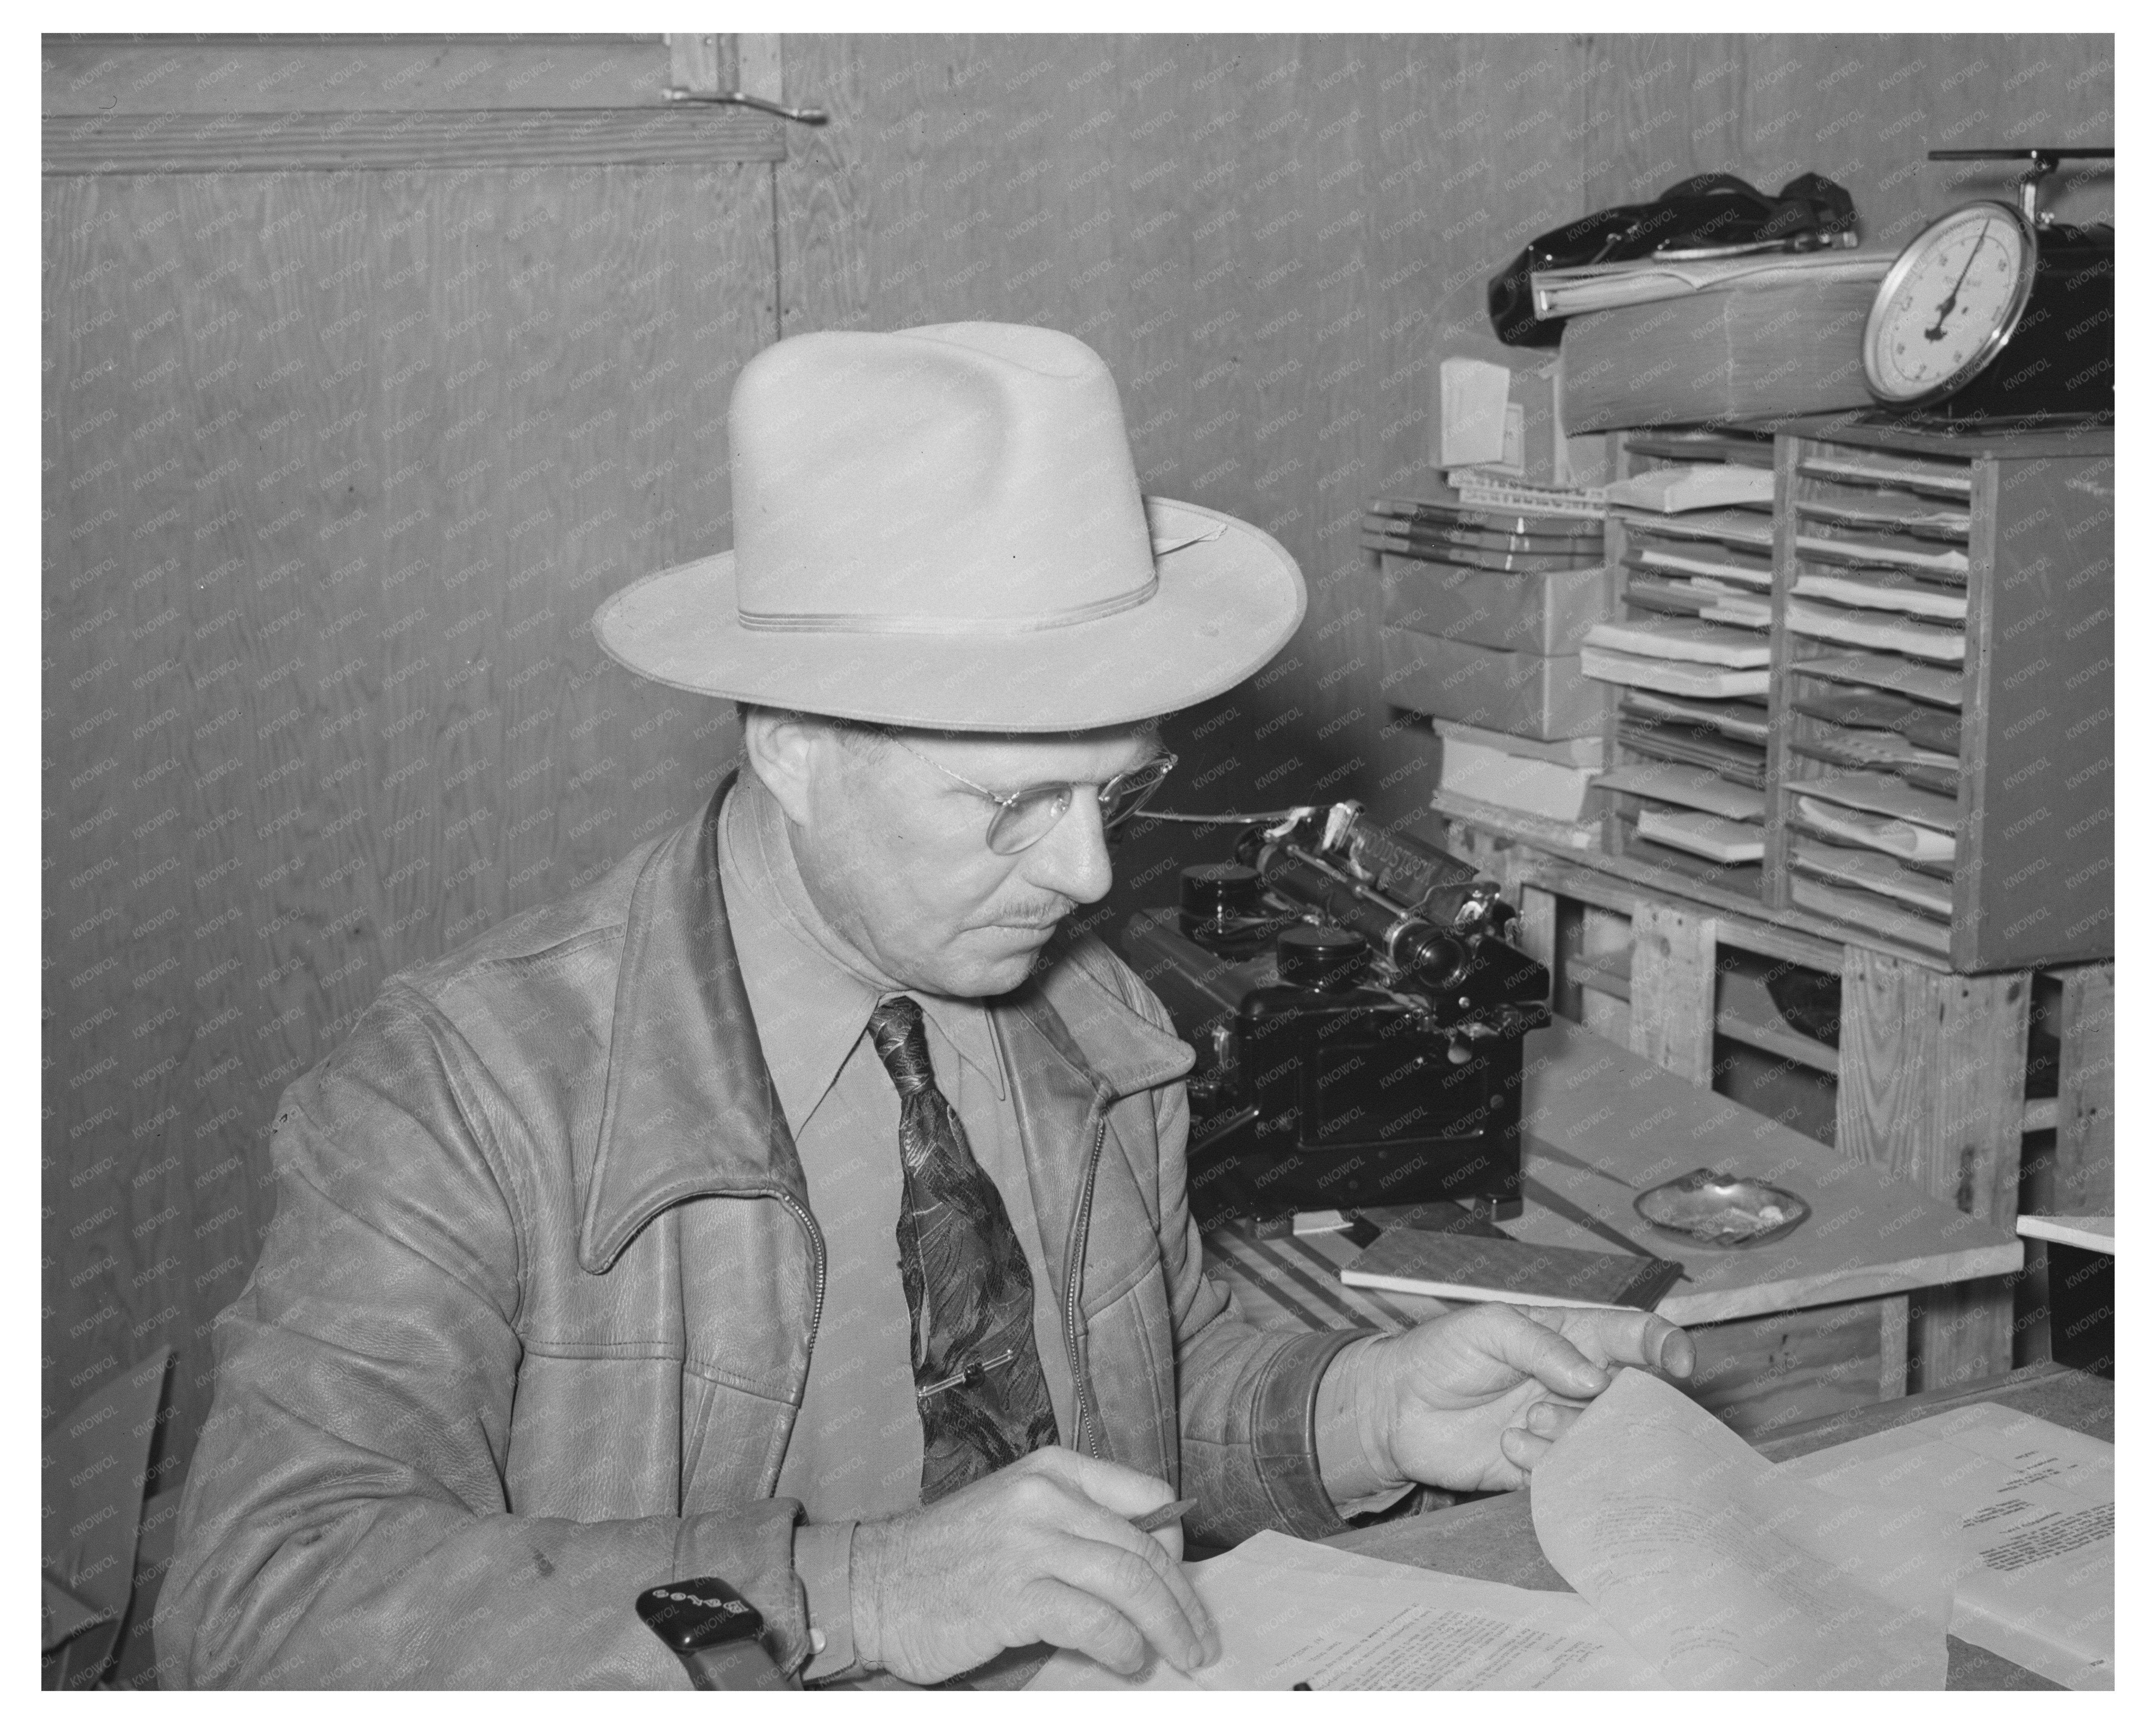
[{"x": 1937, "y": 332}]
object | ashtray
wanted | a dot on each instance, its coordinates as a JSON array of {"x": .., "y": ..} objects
[{"x": 1722, "y": 1208}]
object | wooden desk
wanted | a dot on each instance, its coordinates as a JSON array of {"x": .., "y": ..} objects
[
  {"x": 1813, "y": 1324},
  {"x": 1493, "y": 1538}
]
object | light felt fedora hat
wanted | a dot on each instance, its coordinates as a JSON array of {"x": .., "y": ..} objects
[{"x": 941, "y": 528}]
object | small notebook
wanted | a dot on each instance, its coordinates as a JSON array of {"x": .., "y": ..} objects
[{"x": 1458, "y": 1265}]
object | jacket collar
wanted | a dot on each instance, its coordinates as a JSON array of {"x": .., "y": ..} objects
[{"x": 689, "y": 1109}]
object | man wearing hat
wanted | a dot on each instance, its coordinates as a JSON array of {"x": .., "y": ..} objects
[{"x": 774, "y": 1257}]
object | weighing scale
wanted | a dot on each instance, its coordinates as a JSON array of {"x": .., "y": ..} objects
[{"x": 1998, "y": 313}]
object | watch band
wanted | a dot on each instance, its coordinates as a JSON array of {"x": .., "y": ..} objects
[{"x": 717, "y": 1634}]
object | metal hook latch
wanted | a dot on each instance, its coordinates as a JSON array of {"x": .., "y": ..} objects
[{"x": 740, "y": 99}]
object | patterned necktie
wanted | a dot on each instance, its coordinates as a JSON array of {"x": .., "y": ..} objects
[{"x": 977, "y": 1373}]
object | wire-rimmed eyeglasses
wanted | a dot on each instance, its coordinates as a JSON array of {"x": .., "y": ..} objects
[{"x": 1024, "y": 817}]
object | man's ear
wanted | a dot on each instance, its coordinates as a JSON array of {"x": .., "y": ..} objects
[{"x": 782, "y": 749}]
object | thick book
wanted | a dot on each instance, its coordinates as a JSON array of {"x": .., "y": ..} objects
[
  {"x": 1750, "y": 351},
  {"x": 1459, "y": 1266}
]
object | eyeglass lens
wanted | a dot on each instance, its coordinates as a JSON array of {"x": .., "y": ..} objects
[{"x": 1026, "y": 819}]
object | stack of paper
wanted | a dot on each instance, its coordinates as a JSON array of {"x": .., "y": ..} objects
[
  {"x": 1870, "y": 871},
  {"x": 1931, "y": 683},
  {"x": 1694, "y": 1563},
  {"x": 2017, "y": 1512},
  {"x": 1853, "y": 627},
  {"x": 1677, "y": 655},
  {"x": 1694, "y": 809},
  {"x": 1292, "y": 1614},
  {"x": 1880, "y": 512},
  {"x": 1746, "y": 719},
  {"x": 1708, "y": 484},
  {"x": 1867, "y": 819},
  {"x": 1877, "y": 468},
  {"x": 1917, "y": 599},
  {"x": 1718, "y": 1571},
  {"x": 1880, "y": 550}
]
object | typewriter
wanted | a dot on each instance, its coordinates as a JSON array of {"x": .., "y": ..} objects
[{"x": 1357, "y": 1015}]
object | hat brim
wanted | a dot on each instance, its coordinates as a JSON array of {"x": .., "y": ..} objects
[{"x": 1223, "y": 607}]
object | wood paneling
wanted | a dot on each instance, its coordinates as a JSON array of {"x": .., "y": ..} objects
[
  {"x": 1862, "y": 111},
  {"x": 244, "y": 74},
  {"x": 436, "y": 140},
  {"x": 337, "y": 468}
]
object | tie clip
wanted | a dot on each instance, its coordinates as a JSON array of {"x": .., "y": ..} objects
[{"x": 971, "y": 1375}]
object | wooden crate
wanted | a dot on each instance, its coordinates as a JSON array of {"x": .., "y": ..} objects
[{"x": 1928, "y": 1078}]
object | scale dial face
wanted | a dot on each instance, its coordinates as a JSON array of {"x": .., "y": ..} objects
[{"x": 1950, "y": 304}]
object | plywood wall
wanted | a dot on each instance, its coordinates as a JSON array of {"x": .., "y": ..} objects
[{"x": 337, "y": 467}]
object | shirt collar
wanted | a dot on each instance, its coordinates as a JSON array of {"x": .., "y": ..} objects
[{"x": 812, "y": 993}]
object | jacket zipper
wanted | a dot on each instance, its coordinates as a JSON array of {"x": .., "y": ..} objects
[
  {"x": 801, "y": 1214},
  {"x": 1081, "y": 1226}
]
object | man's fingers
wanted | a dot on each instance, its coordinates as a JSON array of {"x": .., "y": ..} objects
[
  {"x": 1541, "y": 1351},
  {"x": 1627, "y": 1338},
  {"x": 1550, "y": 1419},
  {"x": 1122, "y": 1489},
  {"x": 1128, "y": 1581},
  {"x": 1064, "y": 1615},
  {"x": 1523, "y": 1449}
]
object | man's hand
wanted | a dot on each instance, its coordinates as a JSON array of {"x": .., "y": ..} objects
[
  {"x": 1041, "y": 1551},
  {"x": 1471, "y": 1400}
]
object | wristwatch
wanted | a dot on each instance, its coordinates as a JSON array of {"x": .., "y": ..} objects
[{"x": 717, "y": 1633}]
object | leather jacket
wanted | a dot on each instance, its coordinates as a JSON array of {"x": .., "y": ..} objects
[{"x": 533, "y": 1320}]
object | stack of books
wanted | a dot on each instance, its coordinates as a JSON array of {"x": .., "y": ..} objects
[{"x": 1485, "y": 610}]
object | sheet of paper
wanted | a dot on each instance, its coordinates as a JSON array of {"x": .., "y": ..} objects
[
  {"x": 1721, "y": 1572},
  {"x": 1289, "y": 1611},
  {"x": 2026, "y": 1510}
]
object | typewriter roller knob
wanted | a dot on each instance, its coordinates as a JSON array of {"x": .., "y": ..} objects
[
  {"x": 1223, "y": 906},
  {"x": 1329, "y": 960}
]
